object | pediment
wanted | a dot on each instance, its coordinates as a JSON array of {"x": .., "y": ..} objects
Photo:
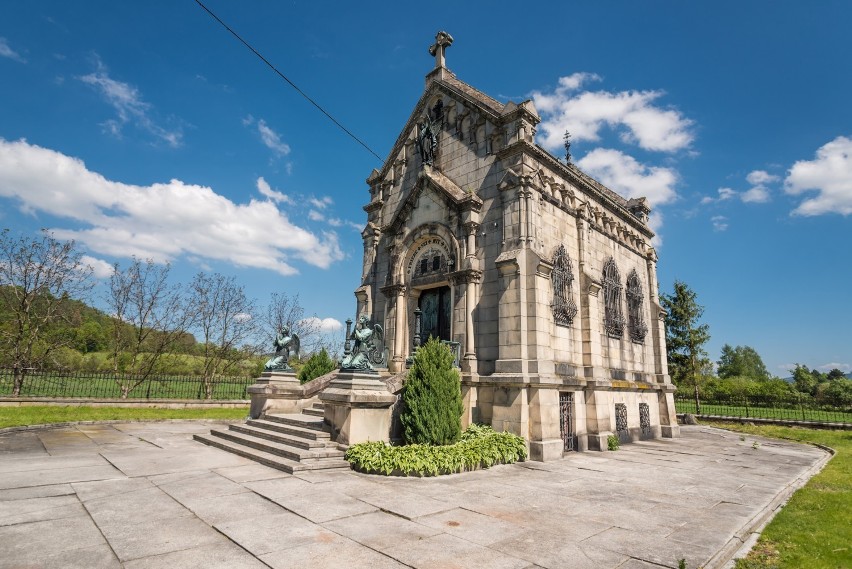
[{"x": 430, "y": 179}]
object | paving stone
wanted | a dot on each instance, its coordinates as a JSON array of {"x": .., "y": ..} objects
[
  {"x": 473, "y": 526},
  {"x": 136, "y": 540},
  {"x": 216, "y": 556},
  {"x": 233, "y": 507},
  {"x": 36, "y": 492},
  {"x": 320, "y": 507},
  {"x": 22, "y": 542},
  {"x": 93, "y": 557},
  {"x": 251, "y": 472},
  {"x": 332, "y": 552},
  {"x": 148, "y": 504},
  {"x": 444, "y": 550},
  {"x": 87, "y": 491},
  {"x": 400, "y": 502},
  {"x": 380, "y": 530},
  {"x": 270, "y": 533},
  {"x": 660, "y": 550},
  {"x": 555, "y": 552},
  {"x": 40, "y": 509},
  {"x": 289, "y": 486},
  {"x": 56, "y": 476},
  {"x": 202, "y": 485},
  {"x": 21, "y": 444}
]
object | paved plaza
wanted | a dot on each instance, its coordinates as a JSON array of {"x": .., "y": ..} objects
[{"x": 145, "y": 495}]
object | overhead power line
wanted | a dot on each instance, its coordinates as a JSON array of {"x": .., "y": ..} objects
[{"x": 284, "y": 77}]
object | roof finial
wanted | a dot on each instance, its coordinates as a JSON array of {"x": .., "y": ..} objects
[{"x": 443, "y": 40}]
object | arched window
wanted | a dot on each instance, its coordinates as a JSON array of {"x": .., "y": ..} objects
[
  {"x": 613, "y": 316},
  {"x": 564, "y": 308},
  {"x": 635, "y": 321}
]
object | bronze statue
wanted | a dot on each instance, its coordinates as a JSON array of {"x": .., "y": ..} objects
[
  {"x": 427, "y": 140},
  {"x": 368, "y": 349},
  {"x": 284, "y": 342}
]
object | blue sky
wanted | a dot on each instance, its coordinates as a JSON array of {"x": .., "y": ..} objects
[{"x": 146, "y": 129}]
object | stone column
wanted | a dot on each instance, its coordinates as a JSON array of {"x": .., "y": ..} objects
[
  {"x": 668, "y": 415},
  {"x": 397, "y": 292}
]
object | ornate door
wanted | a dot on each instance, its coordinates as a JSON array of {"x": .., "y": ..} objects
[{"x": 435, "y": 308}]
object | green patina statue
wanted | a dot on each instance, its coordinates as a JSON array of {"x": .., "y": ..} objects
[
  {"x": 285, "y": 341},
  {"x": 369, "y": 348}
]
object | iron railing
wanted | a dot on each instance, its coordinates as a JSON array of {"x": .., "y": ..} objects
[
  {"x": 109, "y": 385},
  {"x": 791, "y": 408}
]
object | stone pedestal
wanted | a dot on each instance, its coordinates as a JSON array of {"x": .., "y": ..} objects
[
  {"x": 275, "y": 392},
  {"x": 358, "y": 408}
]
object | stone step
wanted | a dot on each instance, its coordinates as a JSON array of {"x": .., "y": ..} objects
[
  {"x": 269, "y": 459},
  {"x": 283, "y": 438},
  {"x": 298, "y": 420},
  {"x": 314, "y": 412},
  {"x": 292, "y": 430},
  {"x": 318, "y": 405},
  {"x": 280, "y": 449}
]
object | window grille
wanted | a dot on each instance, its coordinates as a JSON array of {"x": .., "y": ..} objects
[
  {"x": 564, "y": 308},
  {"x": 636, "y": 322},
  {"x": 613, "y": 316},
  {"x": 645, "y": 419},
  {"x": 621, "y": 418}
]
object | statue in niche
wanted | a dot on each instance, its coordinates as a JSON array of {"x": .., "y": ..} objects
[
  {"x": 369, "y": 348},
  {"x": 427, "y": 140},
  {"x": 438, "y": 111},
  {"x": 284, "y": 342}
]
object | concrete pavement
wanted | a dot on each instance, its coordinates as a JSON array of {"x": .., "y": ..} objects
[{"x": 144, "y": 495}]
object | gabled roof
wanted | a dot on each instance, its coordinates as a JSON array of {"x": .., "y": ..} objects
[{"x": 449, "y": 189}]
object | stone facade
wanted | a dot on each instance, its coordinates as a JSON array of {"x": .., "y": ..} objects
[{"x": 543, "y": 276}]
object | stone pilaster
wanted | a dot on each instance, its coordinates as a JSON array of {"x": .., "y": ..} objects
[{"x": 358, "y": 408}]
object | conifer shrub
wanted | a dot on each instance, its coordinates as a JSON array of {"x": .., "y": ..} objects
[
  {"x": 317, "y": 365},
  {"x": 432, "y": 409}
]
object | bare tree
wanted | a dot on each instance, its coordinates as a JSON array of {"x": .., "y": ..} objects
[
  {"x": 224, "y": 320},
  {"x": 149, "y": 316},
  {"x": 37, "y": 276},
  {"x": 284, "y": 309}
]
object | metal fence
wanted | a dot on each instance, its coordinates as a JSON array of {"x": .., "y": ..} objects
[
  {"x": 108, "y": 385},
  {"x": 802, "y": 408}
]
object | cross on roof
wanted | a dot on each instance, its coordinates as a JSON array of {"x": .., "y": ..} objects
[{"x": 443, "y": 40}]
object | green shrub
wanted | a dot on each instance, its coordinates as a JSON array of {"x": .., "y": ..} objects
[
  {"x": 432, "y": 409},
  {"x": 612, "y": 442},
  {"x": 479, "y": 447},
  {"x": 317, "y": 365}
]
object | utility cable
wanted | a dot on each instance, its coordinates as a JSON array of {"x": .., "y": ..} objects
[{"x": 284, "y": 77}]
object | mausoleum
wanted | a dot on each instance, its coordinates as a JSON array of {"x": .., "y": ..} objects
[{"x": 542, "y": 279}]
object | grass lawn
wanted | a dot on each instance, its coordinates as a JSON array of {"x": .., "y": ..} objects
[
  {"x": 45, "y": 414},
  {"x": 814, "y": 529}
]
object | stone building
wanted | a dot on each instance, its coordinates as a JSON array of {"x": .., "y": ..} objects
[{"x": 542, "y": 278}]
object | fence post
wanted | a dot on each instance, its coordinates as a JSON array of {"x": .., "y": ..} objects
[
  {"x": 802, "y": 407},
  {"x": 746, "y": 406}
]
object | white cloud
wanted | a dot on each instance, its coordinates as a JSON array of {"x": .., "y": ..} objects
[
  {"x": 100, "y": 268},
  {"x": 723, "y": 194},
  {"x": 337, "y": 222},
  {"x": 272, "y": 139},
  {"x": 7, "y": 51},
  {"x": 630, "y": 178},
  {"x": 720, "y": 222},
  {"x": 761, "y": 177},
  {"x": 830, "y": 175},
  {"x": 324, "y": 325},
  {"x": 757, "y": 194},
  {"x": 276, "y": 196},
  {"x": 129, "y": 107},
  {"x": 162, "y": 221},
  {"x": 321, "y": 203},
  {"x": 631, "y": 113},
  {"x": 314, "y": 215}
]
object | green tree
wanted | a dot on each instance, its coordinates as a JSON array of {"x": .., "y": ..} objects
[
  {"x": 317, "y": 365},
  {"x": 432, "y": 399},
  {"x": 742, "y": 361},
  {"x": 806, "y": 380},
  {"x": 835, "y": 374},
  {"x": 685, "y": 337}
]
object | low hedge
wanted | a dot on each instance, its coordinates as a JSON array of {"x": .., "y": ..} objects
[{"x": 479, "y": 447}]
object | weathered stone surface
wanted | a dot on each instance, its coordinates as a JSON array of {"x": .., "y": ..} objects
[{"x": 649, "y": 504}]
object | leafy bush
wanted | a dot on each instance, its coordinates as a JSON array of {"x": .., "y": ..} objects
[
  {"x": 318, "y": 364},
  {"x": 479, "y": 447},
  {"x": 612, "y": 442},
  {"x": 432, "y": 409}
]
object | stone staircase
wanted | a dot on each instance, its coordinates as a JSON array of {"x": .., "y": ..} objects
[{"x": 288, "y": 442}]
